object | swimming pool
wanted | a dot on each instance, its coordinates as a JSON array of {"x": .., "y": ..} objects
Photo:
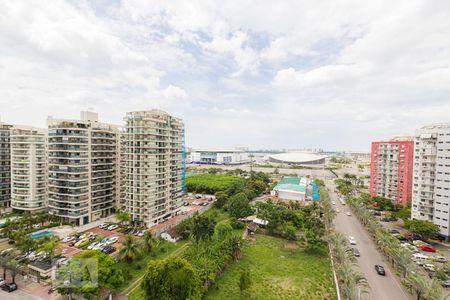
[{"x": 41, "y": 234}]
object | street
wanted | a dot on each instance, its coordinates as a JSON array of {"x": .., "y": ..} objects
[{"x": 381, "y": 287}]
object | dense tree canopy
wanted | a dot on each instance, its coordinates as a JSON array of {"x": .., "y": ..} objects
[
  {"x": 239, "y": 206},
  {"x": 423, "y": 228},
  {"x": 173, "y": 278}
]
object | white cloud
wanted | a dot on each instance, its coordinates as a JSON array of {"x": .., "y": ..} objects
[{"x": 263, "y": 74}]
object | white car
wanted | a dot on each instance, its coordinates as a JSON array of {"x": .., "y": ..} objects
[
  {"x": 429, "y": 267},
  {"x": 2, "y": 282},
  {"x": 68, "y": 239},
  {"x": 91, "y": 246},
  {"x": 112, "y": 240},
  {"x": 81, "y": 242},
  {"x": 348, "y": 213},
  {"x": 112, "y": 227},
  {"x": 333, "y": 202},
  {"x": 351, "y": 240},
  {"x": 99, "y": 246}
]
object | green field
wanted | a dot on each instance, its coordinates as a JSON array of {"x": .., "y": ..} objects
[
  {"x": 277, "y": 273},
  {"x": 210, "y": 183}
]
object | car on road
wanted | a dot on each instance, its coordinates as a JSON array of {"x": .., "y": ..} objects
[
  {"x": 394, "y": 231},
  {"x": 356, "y": 252},
  {"x": 9, "y": 287},
  {"x": 348, "y": 213},
  {"x": 333, "y": 202},
  {"x": 427, "y": 248},
  {"x": 380, "y": 270},
  {"x": 352, "y": 240}
]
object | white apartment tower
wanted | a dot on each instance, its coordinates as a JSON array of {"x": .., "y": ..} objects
[
  {"x": 431, "y": 176},
  {"x": 153, "y": 156},
  {"x": 83, "y": 168},
  {"x": 28, "y": 168}
]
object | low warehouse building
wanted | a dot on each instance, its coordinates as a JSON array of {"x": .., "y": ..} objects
[{"x": 296, "y": 189}]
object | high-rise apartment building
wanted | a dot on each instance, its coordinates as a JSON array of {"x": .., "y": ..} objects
[
  {"x": 391, "y": 170},
  {"x": 5, "y": 166},
  {"x": 28, "y": 168},
  {"x": 83, "y": 168},
  {"x": 153, "y": 153},
  {"x": 431, "y": 176}
]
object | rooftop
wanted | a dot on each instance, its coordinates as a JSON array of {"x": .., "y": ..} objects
[{"x": 292, "y": 183}]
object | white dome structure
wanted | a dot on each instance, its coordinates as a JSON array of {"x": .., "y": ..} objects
[{"x": 298, "y": 158}]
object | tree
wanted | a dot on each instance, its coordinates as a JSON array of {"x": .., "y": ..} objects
[
  {"x": 76, "y": 276},
  {"x": 129, "y": 250},
  {"x": 202, "y": 227},
  {"x": 404, "y": 213},
  {"x": 173, "y": 278},
  {"x": 123, "y": 217},
  {"x": 425, "y": 229},
  {"x": 239, "y": 207},
  {"x": 50, "y": 247},
  {"x": 26, "y": 244},
  {"x": 223, "y": 230},
  {"x": 14, "y": 267},
  {"x": 383, "y": 203},
  {"x": 221, "y": 199},
  {"x": 149, "y": 242},
  {"x": 245, "y": 281}
]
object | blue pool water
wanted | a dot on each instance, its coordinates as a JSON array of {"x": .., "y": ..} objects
[{"x": 41, "y": 234}]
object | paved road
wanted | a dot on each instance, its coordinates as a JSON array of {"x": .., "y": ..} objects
[
  {"x": 381, "y": 288},
  {"x": 17, "y": 295}
]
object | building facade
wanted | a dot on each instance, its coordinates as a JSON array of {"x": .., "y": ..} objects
[
  {"x": 153, "y": 159},
  {"x": 83, "y": 168},
  {"x": 219, "y": 157},
  {"x": 391, "y": 170},
  {"x": 431, "y": 176},
  {"x": 5, "y": 166},
  {"x": 28, "y": 168}
]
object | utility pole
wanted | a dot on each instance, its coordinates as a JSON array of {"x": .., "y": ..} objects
[{"x": 251, "y": 163}]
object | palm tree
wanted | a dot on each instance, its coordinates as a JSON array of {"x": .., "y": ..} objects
[
  {"x": 49, "y": 247},
  {"x": 353, "y": 283},
  {"x": 123, "y": 217},
  {"x": 8, "y": 228},
  {"x": 26, "y": 244},
  {"x": 4, "y": 264},
  {"x": 14, "y": 266},
  {"x": 149, "y": 242},
  {"x": 425, "y": 288},
  {"x": 129, "y": 250}
]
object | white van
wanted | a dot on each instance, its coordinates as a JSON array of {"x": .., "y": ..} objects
[{"x": 419, "y": 258}]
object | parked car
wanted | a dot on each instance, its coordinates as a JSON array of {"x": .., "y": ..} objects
[
  {"x": 395, "y": 231},
  {"x": 380, "y": 270},
  {"x": 185, "y": 203},
  {"x": 112, "y": 240},
  {"x": 81, "y": 242},
  {"x": 103, "y": 226},
  {"x": 141, "y": 233},
  {"x": 113, "y": 227},
  {"x": 68, "y": 239},
  {"x": 333, "y": 202},
  {"x": 356, "y": 252},
  {"x": 446, "y": 283},
  {"x": 2, "y": 282},
  {"x": 9, "y": 287},
  {"x": 91, "y": 246},
  {"x": 440, "y": 259},
  {"x": 427, "y": 248},
  {"x": 99, "y": 246},
  {"x": 429, "y": 267},
  {"x": 109, "y": 249},
  {"x": 352, "y": 240},
  {"x": 348, "y": 213}
]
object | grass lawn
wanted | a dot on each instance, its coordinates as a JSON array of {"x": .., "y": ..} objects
[{"x": 277, "y": 273}]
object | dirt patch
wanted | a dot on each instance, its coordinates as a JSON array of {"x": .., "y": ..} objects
[{"x": 291, "y": 246}]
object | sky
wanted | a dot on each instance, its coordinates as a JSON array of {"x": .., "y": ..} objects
[{"x": 262, "y": 74}]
